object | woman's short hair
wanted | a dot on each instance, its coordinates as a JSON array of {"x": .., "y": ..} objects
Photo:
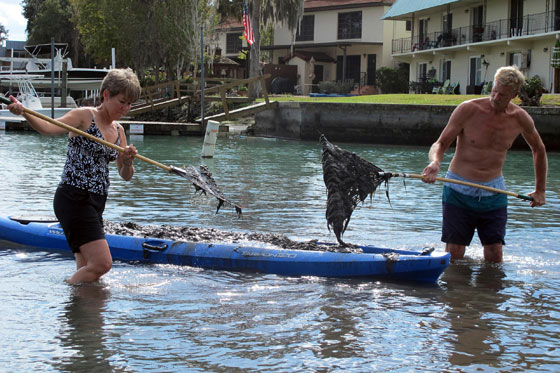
[
  {"x": 510, "y": 76},
  {"x": 122, "y": 81}
]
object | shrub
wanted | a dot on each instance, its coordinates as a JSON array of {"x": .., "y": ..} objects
[
  {"x": 344, "y": 87},
  {"x": 531, "y": 92},
  {"x": 392, "y": 80},
  {"x": 336, "y": 87}
]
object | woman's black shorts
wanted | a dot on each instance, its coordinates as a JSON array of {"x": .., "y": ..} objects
[{"x": 80, "y": 215}]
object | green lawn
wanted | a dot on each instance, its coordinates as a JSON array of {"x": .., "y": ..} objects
[{"x": 412, "y": 99}]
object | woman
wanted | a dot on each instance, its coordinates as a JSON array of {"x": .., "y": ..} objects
[{"x": 80, "y": 198}]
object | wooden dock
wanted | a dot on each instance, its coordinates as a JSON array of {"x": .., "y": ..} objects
[
  {"x": 132, "y": 127},
  {"x": 165, "y": 103},
  {"x": 242, "y": 112},
  {"x": 135, "y": 127},
  {"x": 170, "y": 94}
]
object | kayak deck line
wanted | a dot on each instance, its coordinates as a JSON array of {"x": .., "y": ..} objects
[{"x": 373, "y": 262}]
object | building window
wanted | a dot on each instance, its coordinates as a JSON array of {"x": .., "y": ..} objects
[
  {"x": 477, "y": 23},
  {"x": 408, "y": 25},
  {"x": 516, "y": 59},
  {"x": 422, "y": 71},
  {"x": 350, "y": 25},
  {"x": 446, "y": 70},
  {"x": 306, "y": 29},
  {"x": 447, "y": 23},
  {"x": 475, "y": 71},
  {"x": 423, "y": 31},
  {"x": 233, "y": 43}
]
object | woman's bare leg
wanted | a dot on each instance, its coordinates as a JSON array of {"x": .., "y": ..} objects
[
  {"x": 80, "y": 260},
  {"x": 93, "y": 261}
]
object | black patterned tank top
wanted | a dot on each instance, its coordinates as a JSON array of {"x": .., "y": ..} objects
[{"x": 87, "y": 162}]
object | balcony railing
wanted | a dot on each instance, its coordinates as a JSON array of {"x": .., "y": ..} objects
[{"x": 505, "y": 28}]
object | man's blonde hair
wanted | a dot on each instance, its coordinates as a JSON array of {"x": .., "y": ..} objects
[{"x": 510, "y": 76}]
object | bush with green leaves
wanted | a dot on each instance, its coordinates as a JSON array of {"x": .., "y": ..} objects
[
  {"x": 336, "y": 87},
  {"x": 391, "y": 80},
  {"x": 531, "y": 91}
]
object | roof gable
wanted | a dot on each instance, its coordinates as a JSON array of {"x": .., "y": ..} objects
[{"x": 306, "y": 56}]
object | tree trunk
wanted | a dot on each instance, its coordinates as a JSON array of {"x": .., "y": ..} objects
[
  {"x": 75, "y": 49},
  {"x": 254, "y": 55}
]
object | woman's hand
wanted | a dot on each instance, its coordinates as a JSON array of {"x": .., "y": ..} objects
[
  {"x": 128, "y": 155},
  {"x": 124, "y": 162},
  {"x": 16, "y": 107}
]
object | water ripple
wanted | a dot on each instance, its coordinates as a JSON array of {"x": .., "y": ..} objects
[{"x": 169, "y": 318}]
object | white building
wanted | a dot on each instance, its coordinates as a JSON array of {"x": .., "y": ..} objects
[
  {"x": 466, "y": 41},
  {"x": 336, "y": 40}
]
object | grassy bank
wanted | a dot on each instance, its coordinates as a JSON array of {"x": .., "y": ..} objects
[{"x": 407, "y": 99}]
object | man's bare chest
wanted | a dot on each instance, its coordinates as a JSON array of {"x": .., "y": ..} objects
[{"x": 491, "y": 131}]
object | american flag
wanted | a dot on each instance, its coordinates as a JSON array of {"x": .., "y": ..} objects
[{"x": 247, "y": 24}]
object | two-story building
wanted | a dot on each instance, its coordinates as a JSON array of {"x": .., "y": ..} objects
[
  {"x": 336, "y": 40},
  {"x": 466, "y": 41},
  {"x": 11, "y": 55}
]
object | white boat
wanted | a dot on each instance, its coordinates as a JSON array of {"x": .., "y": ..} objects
[
  {"x": 78, "y": 79},
  {"x": 28, "y": 96}
]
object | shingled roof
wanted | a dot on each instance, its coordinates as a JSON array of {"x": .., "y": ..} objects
[{"x": 313, "y": 5}]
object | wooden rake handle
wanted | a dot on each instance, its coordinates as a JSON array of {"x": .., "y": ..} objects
[
  {"x": 7, "y": 101},
  {"x": 443, "y": 179}
]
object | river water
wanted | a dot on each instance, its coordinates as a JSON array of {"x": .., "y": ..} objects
[{"x": 162, "y": 318}]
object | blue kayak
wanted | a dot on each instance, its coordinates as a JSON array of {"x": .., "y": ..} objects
[{"x": 374, "y": 262}]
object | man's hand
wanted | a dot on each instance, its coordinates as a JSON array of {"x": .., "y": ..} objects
[
  {"x": 430, "y": 172},
  {"x": 538, "y": 198}
]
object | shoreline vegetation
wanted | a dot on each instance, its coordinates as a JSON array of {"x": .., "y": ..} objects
[{"x": 547, "y": 100}]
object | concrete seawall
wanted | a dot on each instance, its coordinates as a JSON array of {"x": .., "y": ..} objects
[{"x": 381, "y": 123}]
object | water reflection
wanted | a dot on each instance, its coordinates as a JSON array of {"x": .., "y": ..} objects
[
  {"x": 81, "y": 335},
  {"x": 474, "y": 296},
  {"x": 339, "y": 327},
  {"x": 166, "y": 318}
]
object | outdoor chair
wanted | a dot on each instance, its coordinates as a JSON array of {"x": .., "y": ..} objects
[
  {"x": 443, "y": 88},
  {"x": 453, "y": 87},
  {"x": 486, "y": 88}
]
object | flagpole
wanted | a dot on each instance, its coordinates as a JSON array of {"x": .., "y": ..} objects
[{"x": 249, "y": 37}]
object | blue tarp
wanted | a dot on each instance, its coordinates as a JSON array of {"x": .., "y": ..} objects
[{"x": 401, "y": 7}]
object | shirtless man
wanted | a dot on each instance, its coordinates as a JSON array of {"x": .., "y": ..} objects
[{"x": 485, "y": 128}]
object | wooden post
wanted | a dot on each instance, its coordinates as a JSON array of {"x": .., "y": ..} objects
[
  {"x": 178, "y": 90},
  {"x": 224, "y": 101},
  {"x": 264, "y": 91},
  {"x": 150, "y": 98},
  {"x": 64, "y": 88},
  {"x": 52, "y": 78}
]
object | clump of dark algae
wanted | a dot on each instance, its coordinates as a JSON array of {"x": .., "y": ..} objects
[
  {"x": 349, "y": 180},
  {"x": 211, "y": 235}
]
